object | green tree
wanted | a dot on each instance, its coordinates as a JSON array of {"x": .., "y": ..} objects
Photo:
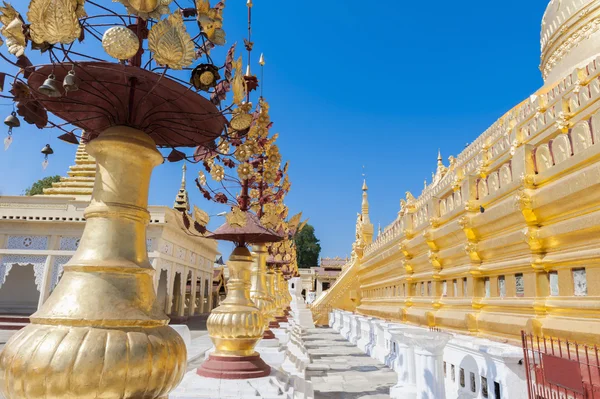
[
  {"x": 39, "y": 186},
  {"x": 308, "y": 248}
]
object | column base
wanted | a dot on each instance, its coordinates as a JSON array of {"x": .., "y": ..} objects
[
  {"x": 274, "y": 324},
  {"x": 403, "y": 392},
  {"x": 268, "y": 334},
  {"x": 234, "y": 367}
]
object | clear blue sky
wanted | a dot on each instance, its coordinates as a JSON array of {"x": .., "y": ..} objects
[{"x": 351, "y": 83}]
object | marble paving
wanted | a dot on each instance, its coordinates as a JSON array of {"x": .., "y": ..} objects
[{"x": 339, "y": 369}]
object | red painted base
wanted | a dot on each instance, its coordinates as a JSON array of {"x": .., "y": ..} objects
[
  {"x": 233, "y": 367},
  {"x": 268, "y": 334},
  {"x": 274, "y": 324}
]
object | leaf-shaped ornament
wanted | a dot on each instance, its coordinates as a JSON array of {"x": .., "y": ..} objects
[
  {"x": 15, "y": 39},
  {"x": 170, "y": 43},
  {"x": 239, "y": 87},
  {"x": 7, "y": 13},
  {"x": 54, "y": 21}
]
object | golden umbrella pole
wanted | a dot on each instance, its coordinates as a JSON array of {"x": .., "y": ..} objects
[
  {"x": 101, "y": 333},
  {"x": 259, "y": 292}
]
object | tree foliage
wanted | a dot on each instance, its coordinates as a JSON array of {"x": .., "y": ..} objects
[
  {"x": 308, "y": 248},
  {"x": 39, "y": 186}
]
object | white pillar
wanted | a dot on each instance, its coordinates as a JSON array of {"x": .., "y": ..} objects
[
  {"x": 366, "y": 334},
  {"x": 354, "y": 334},
  {"x": 404, "y": 365},
  {"x": 210, "y": 295},
  {"x": 170, "y": 284},
  {"x": 202, "y": 289},
  {"x": 429, "y": 363},
  {"x": 182, "y": 286},
  {"x": 47, "y": 278},
  {"x": 193, "y": 287},
  {"x": 155, "y": 266}
]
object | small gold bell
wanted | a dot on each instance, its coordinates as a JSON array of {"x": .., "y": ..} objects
[
  {"x": 70, "y": 82},
  {"x": 50, "y": 87},
  {"x": 12, "y": 120}
]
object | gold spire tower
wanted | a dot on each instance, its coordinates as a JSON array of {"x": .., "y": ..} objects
[
  {"x": 367, "y": 226},
  {"x": 80, "y": 180},
  {"x": 182, "y": 203}
]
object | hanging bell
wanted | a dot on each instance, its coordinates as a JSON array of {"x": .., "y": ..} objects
[
  {"x": 47, "y": 150},
  {"x": 12, "y": 120},
  {"x": 50, "y": 87},
  {"x": 70, "y": 82}
]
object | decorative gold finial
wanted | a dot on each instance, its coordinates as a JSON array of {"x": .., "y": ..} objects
[
  {"x": 261, "y": 61},
  {"x": 249, "y": 4},
  {"x": 248, "y": 70}
]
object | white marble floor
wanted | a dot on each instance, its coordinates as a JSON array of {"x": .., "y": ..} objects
[{"x": 339, "y": 370}]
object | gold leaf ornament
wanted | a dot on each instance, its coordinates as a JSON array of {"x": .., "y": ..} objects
[
  {"x": 270, "y": 220},
  {"x": 200, "y": 216},
  {"x": 239, "y": 86},
  {"x": 146, "y": 8},
  {"x": 236, "y": 218},
  {"x": 12, "y": 30},
  {"x": 170, "y": 43},
  {"x": 120, "y": 42},
  {"x": 54, "y": 21}
]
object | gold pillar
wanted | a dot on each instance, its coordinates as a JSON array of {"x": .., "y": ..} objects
[
  {"x": 258, "y": 287},
  {"x": 272, "y": 293},
  {"x": 101, "y": 332},
  {"x": 236, "y": 326},
  {"x": 279, "y": 300}
]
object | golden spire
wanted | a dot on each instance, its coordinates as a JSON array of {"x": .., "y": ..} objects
[
  {"x": 181, "y": 201},
  {"x": 367, "y": 226},
  {"x": 365, "y": 200},
  {"x": 80, "y": 179}
]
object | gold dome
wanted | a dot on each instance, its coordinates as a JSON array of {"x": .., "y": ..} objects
[{"x": 570, "y": 37}]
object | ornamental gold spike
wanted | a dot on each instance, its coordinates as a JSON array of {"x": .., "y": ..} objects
[
  {"x": 54, "y": 21},
  {"x": 170, "y": 43}
]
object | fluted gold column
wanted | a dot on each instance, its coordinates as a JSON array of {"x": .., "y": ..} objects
[
  {"x": 279, "y": 301},
  {"x": 236, "y": 326},
  {"x": 272, "y": 293},
  {"x": 258, "y": 287},
  {"x": 100, "y": 333}
]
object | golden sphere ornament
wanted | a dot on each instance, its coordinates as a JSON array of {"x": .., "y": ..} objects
[{"x": 120, "y": 42}]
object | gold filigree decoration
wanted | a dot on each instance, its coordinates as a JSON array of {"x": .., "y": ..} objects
[
  {"x": 211, "y": 21},
  {"x": 236, "y": 218},
  {"x": 146, "y": 8},
  {"x": 120, "y": 42},
  {"x": 270, "y": 220},
  {"x": 12, "y": 30},
  {"x": 170, "y": 43},
  {"x": 55, "y": 21},
  {"x": 200, "y": 216}
]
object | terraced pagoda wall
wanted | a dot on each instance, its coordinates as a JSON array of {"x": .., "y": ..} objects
[{"x": 507, "y": 238}]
